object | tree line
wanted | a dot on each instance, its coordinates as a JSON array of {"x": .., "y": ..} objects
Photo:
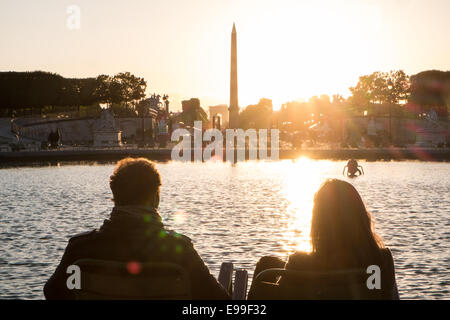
[
  {"x": 392, "y": 93},
  {"x": 380, "y": 93},
  {"x": 21, "y": 91}
]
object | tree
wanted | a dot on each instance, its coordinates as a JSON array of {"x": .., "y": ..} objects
[
  {"x": 380, "y": 88},
  {"x": 257, "y": 116},
  {"x": 128, "y": 87},
  {"x": 431, "y": 89},
  {"x": 121, "y": 92},
  {"x": 320, "y": 105},
  {"x": 45, "y": 91},
  {"x": 398, "y": 87},
  {"x": 102, "y": 89},
  {"x": 338, "y": 99},
  {"x": 42, "y": 90}
]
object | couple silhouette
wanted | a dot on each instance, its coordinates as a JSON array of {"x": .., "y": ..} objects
[{"x": 134, "y": 241}]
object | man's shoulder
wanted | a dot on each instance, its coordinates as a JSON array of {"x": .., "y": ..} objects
[
  {"x": 176, "y": 236},
  {"x": 174, "y": 246}
]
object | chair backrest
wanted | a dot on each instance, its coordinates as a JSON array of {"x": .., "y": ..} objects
[
  {"x": 111, "y": 280},
  {"x": 296, "y": 285}
]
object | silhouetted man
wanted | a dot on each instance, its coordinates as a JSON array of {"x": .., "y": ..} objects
[{"x": 134, "y": 232}]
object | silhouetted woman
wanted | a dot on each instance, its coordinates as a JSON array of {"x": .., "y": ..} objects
[{"x": 342, "y": 238}]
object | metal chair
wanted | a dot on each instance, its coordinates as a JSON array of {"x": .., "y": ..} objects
[
  {"x": 112, "y": 280},
  {"x": 307, "y": 285},
  {"x": 239, "y": 290}
]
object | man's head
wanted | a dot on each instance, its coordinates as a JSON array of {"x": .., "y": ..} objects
[{"x": 135, "y": 182}]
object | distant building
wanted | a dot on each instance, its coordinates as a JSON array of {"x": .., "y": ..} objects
[
  {"x": 187, "y": 105},
  {"x": 219, "y": 116}
]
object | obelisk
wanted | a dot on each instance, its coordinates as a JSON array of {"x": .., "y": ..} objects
[{"x": 234, "y": 106}]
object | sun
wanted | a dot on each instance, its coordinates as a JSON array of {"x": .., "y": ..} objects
[{"x": 306, "y": 53}]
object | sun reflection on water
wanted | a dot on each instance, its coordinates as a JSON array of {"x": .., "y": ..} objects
[{"x": 301, "y": 183}]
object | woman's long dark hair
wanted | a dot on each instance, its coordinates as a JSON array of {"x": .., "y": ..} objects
[{"x": 341, "y": 227}]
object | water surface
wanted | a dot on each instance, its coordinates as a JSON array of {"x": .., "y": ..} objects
[{"x": 234, "y": 213}]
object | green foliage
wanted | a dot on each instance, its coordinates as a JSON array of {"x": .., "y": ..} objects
[
  {"x": 23, "y": 90},
  {"x": 380, "y": 88},
  {"x": 38, "y": 89},
  {"x": 122, "y": 88},
  {"x": 122, "y": 110}
]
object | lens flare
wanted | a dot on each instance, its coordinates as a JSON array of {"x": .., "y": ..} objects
[
  {"x": 180, "y": 216},
  {"x": 134, "y": 267}
]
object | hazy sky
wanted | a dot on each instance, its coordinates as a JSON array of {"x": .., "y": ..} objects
[{"x": 287, "y": 50}]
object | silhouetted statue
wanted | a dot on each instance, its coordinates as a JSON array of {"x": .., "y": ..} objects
[
  {"x": 353, "y": 169},
  {"x": 431, "y": 119},
  {"x": 155, "y": 101},
  {"x": 54, "y": 138},
  {"x": 166, "y": 103}
]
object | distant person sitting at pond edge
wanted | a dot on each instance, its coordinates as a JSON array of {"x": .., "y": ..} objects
[
  {"x": 342, "y": 238},
  {"x": 134, "y": 233}
]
